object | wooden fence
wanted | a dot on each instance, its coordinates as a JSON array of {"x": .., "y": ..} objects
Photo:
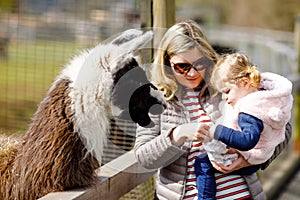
[{"x": 118, "y": 177}]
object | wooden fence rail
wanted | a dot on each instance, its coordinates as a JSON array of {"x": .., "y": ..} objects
[{"x": 116, "y": 179}]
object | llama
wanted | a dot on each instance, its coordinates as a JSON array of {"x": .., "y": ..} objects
[{"x": 63, "y": 145}]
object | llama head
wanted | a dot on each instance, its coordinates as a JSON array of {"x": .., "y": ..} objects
[
  {"x": 109, "y": 74},
  {"x": 102, "y": 81},
  {"x": 133, "y": 96}
]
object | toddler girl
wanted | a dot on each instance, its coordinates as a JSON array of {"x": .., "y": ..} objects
[{"x": 260, "y": 107}]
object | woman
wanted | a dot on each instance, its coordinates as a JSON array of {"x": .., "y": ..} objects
[{"x": 184, "y": 62}]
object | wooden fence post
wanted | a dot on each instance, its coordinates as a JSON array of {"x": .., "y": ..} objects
[
  {"x": 146, "y": 13},
  {"x": 145, "y": 10},
  {"x": 297, "y": 38},
  {"x": 163, "y": 17},
  {"x": 297, "y": 92}
]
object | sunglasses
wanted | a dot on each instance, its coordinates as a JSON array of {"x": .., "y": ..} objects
[{"x": 200, "y": 64}]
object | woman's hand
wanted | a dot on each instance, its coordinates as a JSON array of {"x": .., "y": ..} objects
[
  {"x": 189, "y": 131},
  {"x": 237, "y": 164}
]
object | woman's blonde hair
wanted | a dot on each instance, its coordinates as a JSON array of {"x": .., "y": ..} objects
[
  {"x": 234, "y": 68},
  {"x": 181, "y": 37}
]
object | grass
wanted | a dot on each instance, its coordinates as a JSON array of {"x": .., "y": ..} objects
[{"x": 25, "y": 77}]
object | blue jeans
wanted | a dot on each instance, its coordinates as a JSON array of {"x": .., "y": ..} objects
[{"x": 205, "y": 176}]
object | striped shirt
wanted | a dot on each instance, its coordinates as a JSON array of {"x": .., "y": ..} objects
[{"x": 228, "y": 186}]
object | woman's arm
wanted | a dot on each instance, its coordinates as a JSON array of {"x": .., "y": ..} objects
[
  {"x": 279, "y": 148},
  {"x": 236, "y": 164},
  {"x": 159, "y": 146},
  {"x": 154, "y": 149}
]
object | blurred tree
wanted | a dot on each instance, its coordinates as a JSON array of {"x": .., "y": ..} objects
[
  {"x": 9, "y": 5},
  {"x": 270, "y": 14}
]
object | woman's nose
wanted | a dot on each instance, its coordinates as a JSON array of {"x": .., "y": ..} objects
[{"x": 192, "y": 72}]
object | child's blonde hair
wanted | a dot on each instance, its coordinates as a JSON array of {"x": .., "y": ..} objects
[{"x": 234, "y": 68}]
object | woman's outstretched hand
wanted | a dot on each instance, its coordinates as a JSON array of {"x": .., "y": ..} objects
[
  {"x": 189, "y": 131},
  {"x": 236, "y": 164}
]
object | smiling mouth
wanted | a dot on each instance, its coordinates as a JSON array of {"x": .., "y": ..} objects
[{"x": 192, "y": 79}]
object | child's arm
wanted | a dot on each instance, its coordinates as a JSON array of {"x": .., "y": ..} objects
[
  {"x": 243, "y": 140},
  {"x": 241, "y": 162}
]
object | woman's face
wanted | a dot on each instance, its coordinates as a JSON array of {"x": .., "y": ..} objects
[{"x": 193, "y": 77}]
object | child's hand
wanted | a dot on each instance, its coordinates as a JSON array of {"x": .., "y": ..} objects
[
  {"x": 202, "y": 133},
  {"x": 207, "y": 135}
]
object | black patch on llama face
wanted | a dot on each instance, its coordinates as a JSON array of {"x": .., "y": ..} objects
[{"x": 131, "y": 94}]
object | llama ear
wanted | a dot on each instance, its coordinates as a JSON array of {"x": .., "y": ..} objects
[
  {"x": 132, "y": 40},
  {"x": 139, "y": 42},
  {"x": 126, "y": 36}
]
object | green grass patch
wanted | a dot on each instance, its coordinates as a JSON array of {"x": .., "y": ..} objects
[{"x": 25, "y": 77}]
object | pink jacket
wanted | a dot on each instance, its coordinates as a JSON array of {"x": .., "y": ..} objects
[{"x": 273, "y": 105}]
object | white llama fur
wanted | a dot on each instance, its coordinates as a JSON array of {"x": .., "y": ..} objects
[
  {"x": 64, "y": 143},
  {"x": 92, "y": 84}
]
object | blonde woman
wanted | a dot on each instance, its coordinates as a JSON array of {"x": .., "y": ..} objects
[
  {"x": 261, "y": 105},
  {"x": 181, "y": 70}
]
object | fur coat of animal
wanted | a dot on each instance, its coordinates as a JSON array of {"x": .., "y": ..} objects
[{"x": 63, "y": 145}]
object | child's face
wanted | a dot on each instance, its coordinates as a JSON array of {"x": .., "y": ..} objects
[{"x": 232, "y": 92}]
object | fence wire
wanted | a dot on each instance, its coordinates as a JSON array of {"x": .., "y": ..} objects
[{"x": 37, "y": 38}]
